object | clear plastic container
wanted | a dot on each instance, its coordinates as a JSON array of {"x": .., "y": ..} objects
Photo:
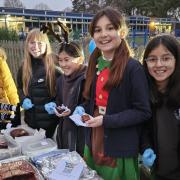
[
  {"x": 39, "y": 147},
  {"x": 13, "y": 149}
]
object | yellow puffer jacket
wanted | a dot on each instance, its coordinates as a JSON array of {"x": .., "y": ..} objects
[{"x": 8, "y": 90}]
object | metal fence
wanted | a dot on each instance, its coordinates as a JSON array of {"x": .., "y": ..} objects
[
  {"x": 15, "y": 54},
  {"x": 14, "y": 51}
]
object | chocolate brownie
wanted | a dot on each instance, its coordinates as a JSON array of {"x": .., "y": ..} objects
[
  {"x": 85, "y": 117},
  {"x": 17, "y": 170},
  {"x": 19, "y": 132}
]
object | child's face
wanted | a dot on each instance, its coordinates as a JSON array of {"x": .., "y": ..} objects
[
  {"x": 106, "y": 37},
  {"x": 68, "y": 63},
  {"x": 37, "y": 48},
  {"x": 161, "y": 65}
]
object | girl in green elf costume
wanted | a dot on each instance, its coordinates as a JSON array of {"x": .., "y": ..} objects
[{"x": 116, "y": 93}]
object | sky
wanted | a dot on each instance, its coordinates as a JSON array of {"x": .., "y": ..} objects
[{"x": 53, "y": 4}]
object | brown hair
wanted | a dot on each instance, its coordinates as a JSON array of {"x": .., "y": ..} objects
[
  {"x": 121, "y": 55},
  {"x": 47, "y": 59}
]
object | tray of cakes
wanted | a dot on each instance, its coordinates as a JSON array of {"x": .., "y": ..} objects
[{"x": 19, "y": 168}]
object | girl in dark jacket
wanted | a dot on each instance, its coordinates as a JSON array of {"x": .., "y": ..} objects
[
  {"x": 162, "y": 65},
  {"x": 117, "y": 97},
  {"x": 37, "y": 82},
  {"x": 69, "y": 93}
]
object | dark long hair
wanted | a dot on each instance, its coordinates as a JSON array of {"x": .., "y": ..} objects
[
  {"x": 121, "y": 56},
  {"x": 73, "y": 49},
  {"x": 173, "y": 86}
]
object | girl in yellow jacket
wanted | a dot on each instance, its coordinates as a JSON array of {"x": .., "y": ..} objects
[
  {"x": 8, "y": 90},
  {"x": 8, "y": 94}
]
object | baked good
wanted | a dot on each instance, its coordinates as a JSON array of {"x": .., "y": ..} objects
[
  {"x": 19, "y": 132},
  {"x": 60, "y": 109},
  {"x": 3, "y": 144},
  {"x": 85, "y": 117},
  {"x": 17, "y": 170}
]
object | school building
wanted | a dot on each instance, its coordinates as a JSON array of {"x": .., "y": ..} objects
[{"x": 21, "y": 19}]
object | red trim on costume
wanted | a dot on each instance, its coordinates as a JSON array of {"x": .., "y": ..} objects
[{"x": 101, "y": 94}]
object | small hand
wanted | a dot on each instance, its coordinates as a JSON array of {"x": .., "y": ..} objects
[
  {"x": 95, "y": 122},
  {"x": 27, "y": 104},
  {"x": 79, "y": 110},
  {"x": 49, "y": 107},
  {"x": 148, "y": 157}
]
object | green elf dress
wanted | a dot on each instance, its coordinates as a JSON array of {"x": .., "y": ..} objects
[{"x": 108, "y": 168}]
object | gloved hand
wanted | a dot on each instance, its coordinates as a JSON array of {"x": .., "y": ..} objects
[
  {"x": 79, "y": 110},
  {"x": 148, "y": 157},
  {"x": 49, "y": 107},
  {"x": 27, "y": 104}
]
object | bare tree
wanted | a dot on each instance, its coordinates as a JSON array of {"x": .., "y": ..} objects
[
  {"x": 13, "y": 3},
  {"x": 42, "y": 6},
  {"x": 90, "y": 6}
]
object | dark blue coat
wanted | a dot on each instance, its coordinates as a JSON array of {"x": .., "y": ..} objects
[{"x": 127, "y": 108}]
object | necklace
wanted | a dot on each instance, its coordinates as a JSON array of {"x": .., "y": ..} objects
[{"x": 107, "y": 59}]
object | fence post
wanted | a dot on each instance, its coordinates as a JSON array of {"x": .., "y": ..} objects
[
  {"x": 145, "y": 37},
  {"x": 133, "y": 38}
]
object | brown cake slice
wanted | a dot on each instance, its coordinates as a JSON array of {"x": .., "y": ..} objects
[{"x": 85, "y": 117}]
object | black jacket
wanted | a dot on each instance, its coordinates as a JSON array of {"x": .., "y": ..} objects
[
  {"x": 69, "y": 93},
  {"x": 37, "y": 117},
  {"x": 127, "y": 108},
  {"x": 162, "y": 134}
]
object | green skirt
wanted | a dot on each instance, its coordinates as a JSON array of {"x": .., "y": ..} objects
[{"x": 126, "y": 168}]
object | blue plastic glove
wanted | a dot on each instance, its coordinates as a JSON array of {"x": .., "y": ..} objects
[
  {"x": 27, "y": 104},
  {"x": 49, "y": 107},
  {"x": 148, "y": 157},
  {"x": 79, "y": 110}
]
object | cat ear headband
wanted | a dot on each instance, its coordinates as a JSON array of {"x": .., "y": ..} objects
[{"x": 65, "y": 31}]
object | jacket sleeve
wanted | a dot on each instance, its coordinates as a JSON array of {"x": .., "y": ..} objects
[
  {"x": 145, "y": 136},
  {"x": 139, "y": 108},
  {"x": 9, "y": 84}
]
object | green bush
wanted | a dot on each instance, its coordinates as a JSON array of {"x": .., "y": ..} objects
[{"x": 6, "y": 34}]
